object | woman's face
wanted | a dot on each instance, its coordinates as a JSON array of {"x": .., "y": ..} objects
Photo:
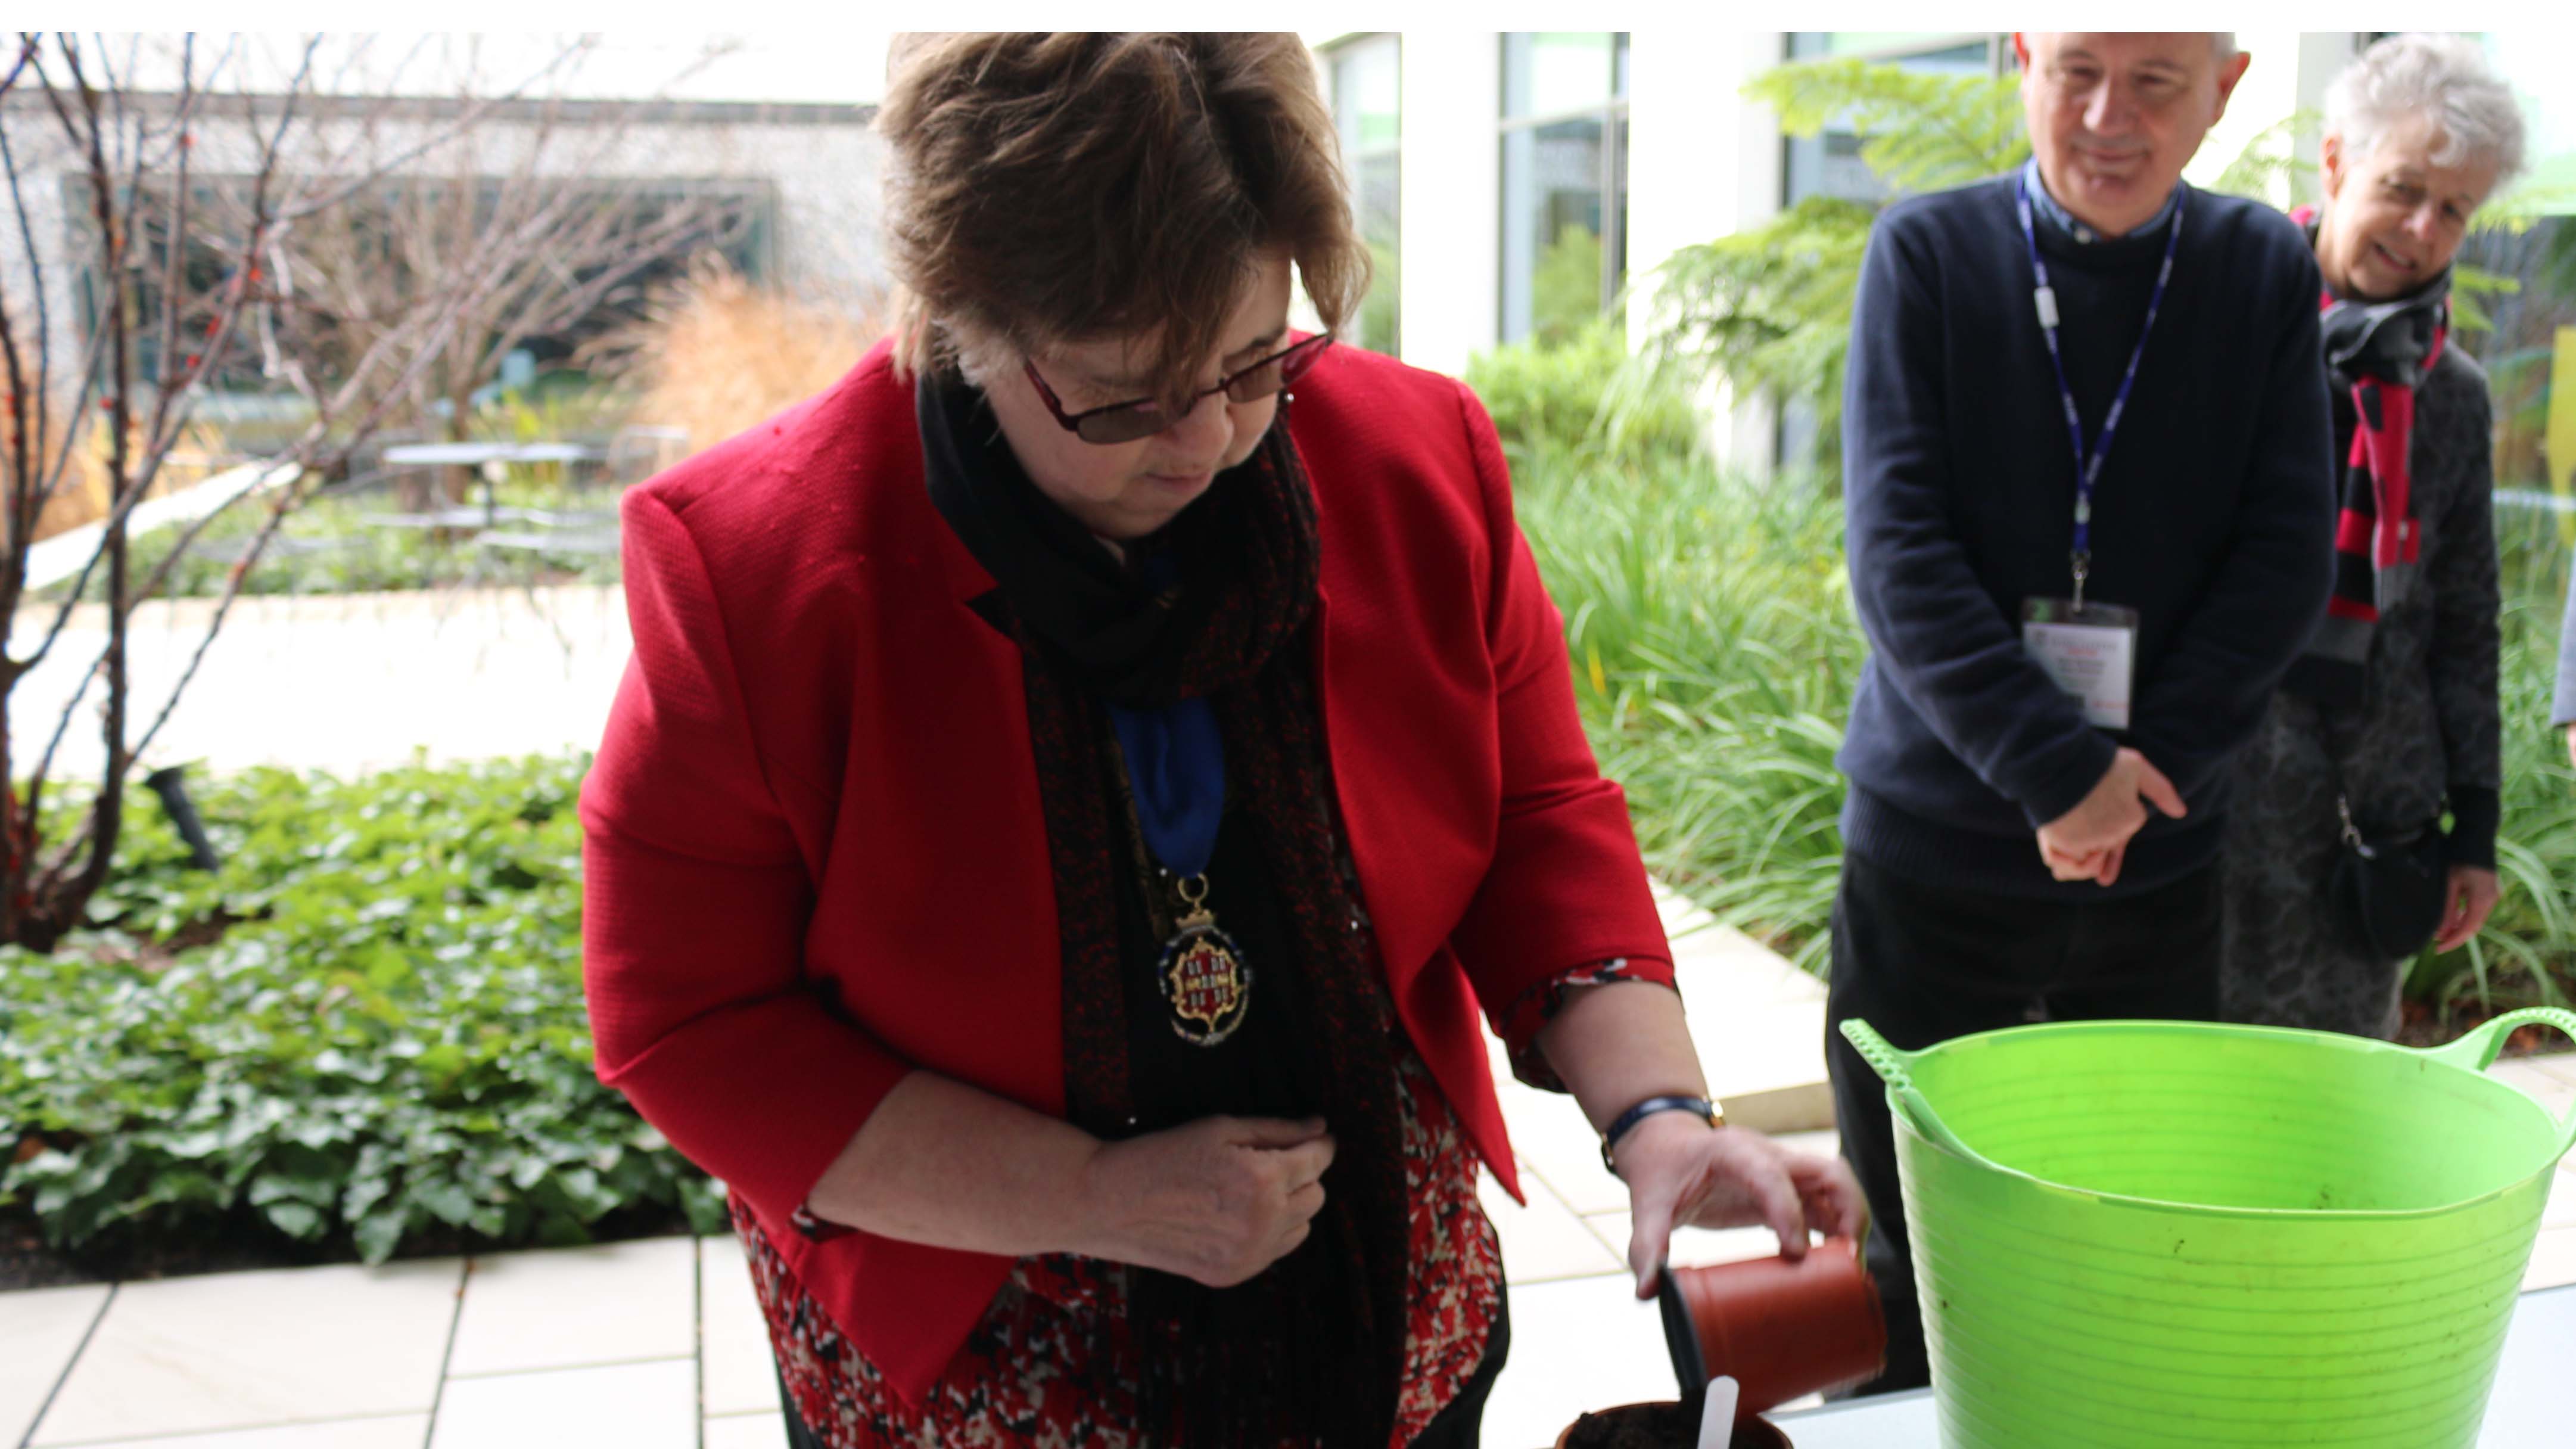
[
  {"x": 2393, "y": 219},
  {"x": 1127, "y": 490}
]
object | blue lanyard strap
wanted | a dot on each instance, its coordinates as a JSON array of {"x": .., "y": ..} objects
[{"x": 2088, "y": 458}]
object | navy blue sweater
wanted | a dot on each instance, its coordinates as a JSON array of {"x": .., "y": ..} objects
[{"x": 2214, "y": 518}]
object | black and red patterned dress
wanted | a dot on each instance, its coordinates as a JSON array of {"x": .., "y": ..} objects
[{"x": 1049, "y": 1364}]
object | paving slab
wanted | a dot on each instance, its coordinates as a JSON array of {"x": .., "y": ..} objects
[
  {"x": 40, "y": 1330},
  {"x": 629, "y": 1406},
  {"x": 345, "y": 682},
  {"x": 1544, "y": 1240},
  {"x": 1577, "y": 1345},
  {"x": 399, "y": 1431},
  {"x": 254, "y": 1350},
  {"x": 2553, "y": 1260},
  {"x": 577, "y": 1307},
  {"x": 740, "y": 1373},
  {"x": 747, "y": 1431}
]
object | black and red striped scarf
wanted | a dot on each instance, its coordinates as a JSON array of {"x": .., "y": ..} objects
[
  {"x": 1311, "y": 1351},
  {"x": 2380, "y": 352}
]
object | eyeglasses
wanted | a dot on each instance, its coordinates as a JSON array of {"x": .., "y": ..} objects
[{"x": 1142, "y": 418}]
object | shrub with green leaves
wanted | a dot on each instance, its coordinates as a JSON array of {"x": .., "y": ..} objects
[
  {"x": 1576, "y": 400},
  {"x": 1715, "y": 651},
  {"x": 1769, "y": 308},
  {"x": 2527, "y": 953},
  {"x": 385, "y": 1042}
]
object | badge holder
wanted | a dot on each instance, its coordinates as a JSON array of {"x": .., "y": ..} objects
[{"x": 2089, "y": 649}]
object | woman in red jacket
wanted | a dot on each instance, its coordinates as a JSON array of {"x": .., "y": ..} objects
[{"x": 1069, "y": 802}]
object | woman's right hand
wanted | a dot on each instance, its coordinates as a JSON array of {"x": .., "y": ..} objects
[{"x": 1216, "y": 1200}]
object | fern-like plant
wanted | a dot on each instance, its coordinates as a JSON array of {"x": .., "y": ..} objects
[{"x": 1769, "y": 309}]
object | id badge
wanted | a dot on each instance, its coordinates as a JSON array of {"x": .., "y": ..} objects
[{"x": 2090, "y": 649}]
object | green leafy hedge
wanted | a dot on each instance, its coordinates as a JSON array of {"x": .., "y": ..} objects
[
  {"x": 1715, "y": 653},
  {"x": 1578, "y": 400},
  {"x": 384, "y": 1040},
  {"x": 1714, "y": 656}
]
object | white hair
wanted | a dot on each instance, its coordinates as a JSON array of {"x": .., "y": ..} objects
[
  {"x": 2443, "y": 78},
  {"x": 2224, "y": 42}
]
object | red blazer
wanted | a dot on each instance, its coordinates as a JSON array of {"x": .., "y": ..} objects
[{"x": 818, "y": 772}]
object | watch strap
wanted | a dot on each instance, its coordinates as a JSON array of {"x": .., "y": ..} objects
[{"x": 1700, "y": 1107}]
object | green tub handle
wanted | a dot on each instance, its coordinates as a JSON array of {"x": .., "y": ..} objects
[
  {"x": 1895, "y": 1068},
  {"x": 2477, "y": 1051}
]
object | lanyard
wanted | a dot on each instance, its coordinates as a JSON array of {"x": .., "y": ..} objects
[
  {"x": 2088, "y": 460},
  {"x": 1175, "y": 759}
]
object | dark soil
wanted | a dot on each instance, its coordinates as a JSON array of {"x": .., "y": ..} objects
[
  {"x": 229, "y": 1245},
  {"x": 2422, "y": 1026},
  {"x": 1661, "y": 1426}
]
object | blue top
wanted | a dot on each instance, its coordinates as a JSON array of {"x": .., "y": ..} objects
[
  {"x": 2214, "y": 519},
  {"x": 1175, "y": 765}
]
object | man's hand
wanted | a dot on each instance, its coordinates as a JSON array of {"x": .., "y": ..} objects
[
  {"x": 2090, "y": 841},
  {"x": 2467, "y": 899}
]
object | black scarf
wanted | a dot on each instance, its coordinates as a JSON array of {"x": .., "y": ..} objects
[
  {"x": 1312, "y": 1350},
  {"x": 2379, "y": 353}
]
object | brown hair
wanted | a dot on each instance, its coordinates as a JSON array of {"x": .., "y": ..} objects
[{"x": 1055, "y": 188}]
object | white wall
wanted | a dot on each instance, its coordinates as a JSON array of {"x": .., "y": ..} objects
[
  {"x": 2289, "y": 73},
  {"x": 1703, "y": 162},
  {"x": 1451, "y": 197}
]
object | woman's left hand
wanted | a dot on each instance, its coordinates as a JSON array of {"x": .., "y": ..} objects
[
  {"x": 1681, "y": 1173},
  {"x": 2469, "y": 895}
]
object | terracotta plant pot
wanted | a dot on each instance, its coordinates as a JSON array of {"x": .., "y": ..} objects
[
  {"x": 1661, "y": 1426},
  {"x": 1783, "y": 1329}
]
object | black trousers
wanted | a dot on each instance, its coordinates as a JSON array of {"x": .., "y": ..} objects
[
  {"x": 1924, "y": 964},
  {"x": 1455, "y": 1427}
]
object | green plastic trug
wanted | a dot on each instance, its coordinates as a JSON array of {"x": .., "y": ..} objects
[{"x": 2172, "y": 1235}]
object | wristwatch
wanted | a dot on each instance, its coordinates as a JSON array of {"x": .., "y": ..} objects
[{"x": 1700, "y": 1107}]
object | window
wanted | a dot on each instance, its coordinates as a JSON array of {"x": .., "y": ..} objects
[
  {"x": 1368, "y": 107},
  {"x": 2530, "y": 353},
  {"x": 1829, "y": 164},
  {"x": 1564, "y": 181}
]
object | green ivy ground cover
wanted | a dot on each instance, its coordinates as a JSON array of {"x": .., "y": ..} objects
[{"x": 382, "y": 1045}]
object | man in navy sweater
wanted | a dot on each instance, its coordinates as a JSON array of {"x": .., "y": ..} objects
[{"x": 2071, "y": 627}]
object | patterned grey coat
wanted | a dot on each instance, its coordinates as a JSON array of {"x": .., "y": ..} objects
[{"x": 2427, "y": 734}]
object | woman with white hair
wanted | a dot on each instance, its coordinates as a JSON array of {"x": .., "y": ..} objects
[{"x": 2338, "y": 869}]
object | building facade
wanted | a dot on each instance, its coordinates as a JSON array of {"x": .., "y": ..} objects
[
  {"x": 1535, "y": 175},
  {"x": 793, "y": 188}
]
